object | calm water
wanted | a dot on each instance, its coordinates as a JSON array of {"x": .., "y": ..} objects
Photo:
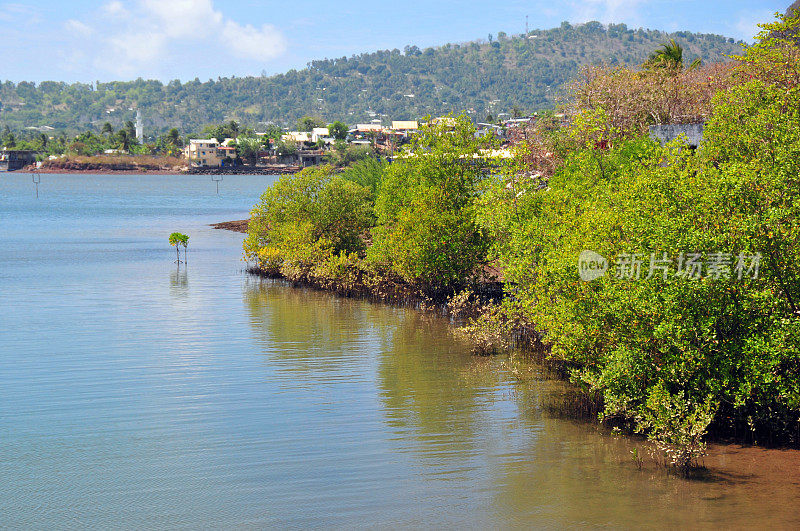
[{"x": 137, "y": 395}]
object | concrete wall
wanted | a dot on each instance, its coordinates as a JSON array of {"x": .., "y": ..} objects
[{"x": 667, "y": 133}]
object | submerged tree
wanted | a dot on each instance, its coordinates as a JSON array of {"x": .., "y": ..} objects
[{"x": 185, "y": 243}]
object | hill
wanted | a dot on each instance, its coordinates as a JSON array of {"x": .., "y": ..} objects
[{"x": 504, "y": 74}]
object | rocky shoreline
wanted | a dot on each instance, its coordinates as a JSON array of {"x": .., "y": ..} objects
[
  {"x": 235, "y": 226},
  {"x": 245, "y": 170}
]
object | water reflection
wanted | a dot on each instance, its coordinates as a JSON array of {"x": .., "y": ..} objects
[
  {"x": 428, "y": 384},
  {"x": 306, "y": 334},
  {"x": 433, "y": 392},
  {"x": 179, "y": 282},
  {"x": 484, "y": 434}
]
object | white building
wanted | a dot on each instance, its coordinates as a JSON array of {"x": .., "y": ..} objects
[
  {"x": 139, "y": 127},
  {"x": 316, "y": 134}
]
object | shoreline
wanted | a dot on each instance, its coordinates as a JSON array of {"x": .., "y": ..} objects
[
  {"x": 389, "y": 290},
  {"x": 64, "y": 171},
  {"x": 239, "y": 170},
  {"x": 235, "y": 226}
]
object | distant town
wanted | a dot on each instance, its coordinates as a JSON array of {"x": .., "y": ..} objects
[{"x": 231, "y": 147}]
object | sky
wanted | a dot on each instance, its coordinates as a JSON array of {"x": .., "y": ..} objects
[{"x": 88, "y": 40}]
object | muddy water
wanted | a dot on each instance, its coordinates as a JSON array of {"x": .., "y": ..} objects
[{"x": 137, "y": 394}]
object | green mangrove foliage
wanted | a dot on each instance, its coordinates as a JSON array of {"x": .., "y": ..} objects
[
  {"x": 695, "y": 325},
  {"x": 177, "y": 239},
  {"x": 426, "y": 227},
  {"x": 410, "y": 223},
  {"x": 307, "y": 219}
]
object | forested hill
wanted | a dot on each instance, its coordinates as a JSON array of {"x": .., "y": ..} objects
[{"x": 501, "y": 74}]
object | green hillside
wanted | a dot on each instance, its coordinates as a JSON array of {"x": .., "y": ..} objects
[{"x": 503, "y": 74}]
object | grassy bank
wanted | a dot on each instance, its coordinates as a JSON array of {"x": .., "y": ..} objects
[{"x": 112, "y": 164}]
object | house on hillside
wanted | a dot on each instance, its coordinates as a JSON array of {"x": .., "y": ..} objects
[
  {"x": 228, "y": 155},
  {"x": 405, "y": 128},
  {"x": 692, "y": 134},
  {"x": 362, "y": 129},
  {"x": 309, "y": 137},
  {"x": 487, "y": 129},
  {"x": 321, "y": 133},
  {"x": 296, "y": 136}
]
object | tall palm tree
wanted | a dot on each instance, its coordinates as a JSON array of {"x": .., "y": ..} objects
[
  {"x": 174, "y": 137},
  {"x": 233, "y": 127},
  {"x": 107, "y": 129},
  {"x": 669, "y": 55},
  {"x": 124, "y": 140}
]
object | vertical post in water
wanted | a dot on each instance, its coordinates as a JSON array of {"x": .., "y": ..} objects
[
  {"x": 216, "y": 179},
  {"x": 36, "y": 180}
]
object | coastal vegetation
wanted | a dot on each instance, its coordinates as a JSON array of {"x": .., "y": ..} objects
[
  {"x": 89, "y": 143},
  {"x": 695, "y": 327}
]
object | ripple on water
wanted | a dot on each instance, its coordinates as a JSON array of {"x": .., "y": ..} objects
[{"x": 136, "y": 394}]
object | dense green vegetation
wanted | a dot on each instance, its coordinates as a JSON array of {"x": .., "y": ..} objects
[
  {"x": 417, "y": 213},
  {"x": 90, "y": 143},
  {"x": 696, "y": 325},
  {"x": 508, "y": 74},
  {"x": 675, "y": 354}
]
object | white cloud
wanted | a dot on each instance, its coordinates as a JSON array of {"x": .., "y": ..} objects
[
  {"x": 142, "y": 37},
  {"x": 115, "y": 9},
  {"x": 139, "y": 47},
  {"x": 608, "y": 10},
  {"x": 251, "y": 43},
  {"x": 185, "y": 18},
  {"x": 78, "y": 28}
]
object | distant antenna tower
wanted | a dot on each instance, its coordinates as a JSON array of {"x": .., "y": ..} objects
[
  {"x": 526, "y": 25},
  {"x": 139, "y": 127}
]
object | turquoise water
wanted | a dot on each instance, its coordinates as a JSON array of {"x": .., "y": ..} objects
[{"x": 137, "y": 394}]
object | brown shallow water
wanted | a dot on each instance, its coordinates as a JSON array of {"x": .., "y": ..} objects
[
  {"x": 490, "y": 428},
  {"x": 577, "y": 473}
]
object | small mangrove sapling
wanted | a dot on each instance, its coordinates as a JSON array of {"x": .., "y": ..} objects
[{"x": 176, "y": 239}]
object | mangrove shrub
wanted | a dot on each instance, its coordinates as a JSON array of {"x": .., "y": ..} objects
[
  {"x": 424, "y": 209},
  {"x": 304, "y": 219}
]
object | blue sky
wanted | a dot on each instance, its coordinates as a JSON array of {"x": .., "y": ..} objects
[{"x": 85, "y": 40}]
